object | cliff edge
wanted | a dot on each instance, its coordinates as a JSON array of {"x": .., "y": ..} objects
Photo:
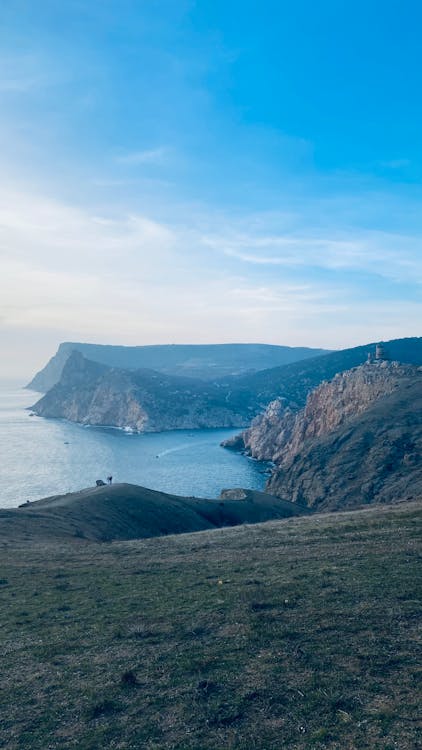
[
  {"x": 358, "y": 439},
  {"x": 141, "y": 400}
]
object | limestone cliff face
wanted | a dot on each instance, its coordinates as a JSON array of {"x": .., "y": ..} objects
[
  {"x": 268, "y": 432},
  {"x": 357, "y": 440},
  {"x": 374, "y": 456},
  {"x": 279, "y": 434},
  {"x": 139, "y": 401},
  {"x": 112, "y": 401}
]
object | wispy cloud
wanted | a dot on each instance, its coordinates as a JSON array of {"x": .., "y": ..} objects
[
  {"x": 127, "y": 277},
  {"x": 149, "y": 156},
  {"x": 389, "y": 255}
]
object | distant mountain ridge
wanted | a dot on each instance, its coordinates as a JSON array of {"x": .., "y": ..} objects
[
  {"x": 146, "y": 400},
  {"x": 204, "y": 361}
]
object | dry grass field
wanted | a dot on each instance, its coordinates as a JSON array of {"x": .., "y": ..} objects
[{"x": 289, "y": 635}]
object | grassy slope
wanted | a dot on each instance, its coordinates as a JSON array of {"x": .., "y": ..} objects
[
  {"x": 293, "y": 634},
  {"x": 127, "y": 511}
]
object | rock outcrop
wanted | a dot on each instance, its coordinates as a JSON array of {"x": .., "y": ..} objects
[
  {"x": 268, "y": 432},
  {"x": 252, "y": 496},
  {"x": 140, "y": 400},
  {"x": 374, "y": 457},
  {"x": 355, "y": 432}
]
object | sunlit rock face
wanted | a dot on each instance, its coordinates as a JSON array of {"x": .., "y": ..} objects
[
  {"x": 357, "y": 440},
  {"x": 279, "y": 433},
  {"x": 269, "y": 431},
  {"x": 139, "y": 401}
]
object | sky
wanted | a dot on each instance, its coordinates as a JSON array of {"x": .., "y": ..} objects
[{"x": 176, "y": 171}]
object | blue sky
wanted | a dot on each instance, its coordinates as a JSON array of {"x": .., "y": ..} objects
[{"x": 208, "y": 171}]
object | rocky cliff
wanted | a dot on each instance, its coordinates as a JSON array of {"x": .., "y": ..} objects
[
  {"x": 140, "y": 400},
  {"x": 354, "y": 432},
  {"x": 91, "y": 392},
  {"x": 374, "y": 457},
  {"x": 267, "y": 433}
]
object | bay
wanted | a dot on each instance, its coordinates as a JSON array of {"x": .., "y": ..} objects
[{"x": 40, "y": 457}]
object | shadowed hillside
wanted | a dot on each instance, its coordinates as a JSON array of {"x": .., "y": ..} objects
[{"x": 126, "y": 511}]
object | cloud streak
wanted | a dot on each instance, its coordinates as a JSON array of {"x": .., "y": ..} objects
[
  {"x": 156, "y": 156},
  {"x": 129, "y": 278},
  {"x": 392, "y": 256}
]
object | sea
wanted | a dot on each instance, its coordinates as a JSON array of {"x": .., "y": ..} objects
[{"x": 43, "y": 457}]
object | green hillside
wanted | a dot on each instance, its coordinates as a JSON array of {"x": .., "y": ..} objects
[
  {"x": 289, "y": 635},
  {"x": 294, "y": 381}
]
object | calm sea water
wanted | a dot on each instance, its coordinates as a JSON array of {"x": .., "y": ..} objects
[{"x": 40, "y": 457}]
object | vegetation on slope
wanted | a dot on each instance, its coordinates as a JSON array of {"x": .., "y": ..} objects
[
  {"x": 299, "y": 634},
  {"x": 295, "y": 381}
]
